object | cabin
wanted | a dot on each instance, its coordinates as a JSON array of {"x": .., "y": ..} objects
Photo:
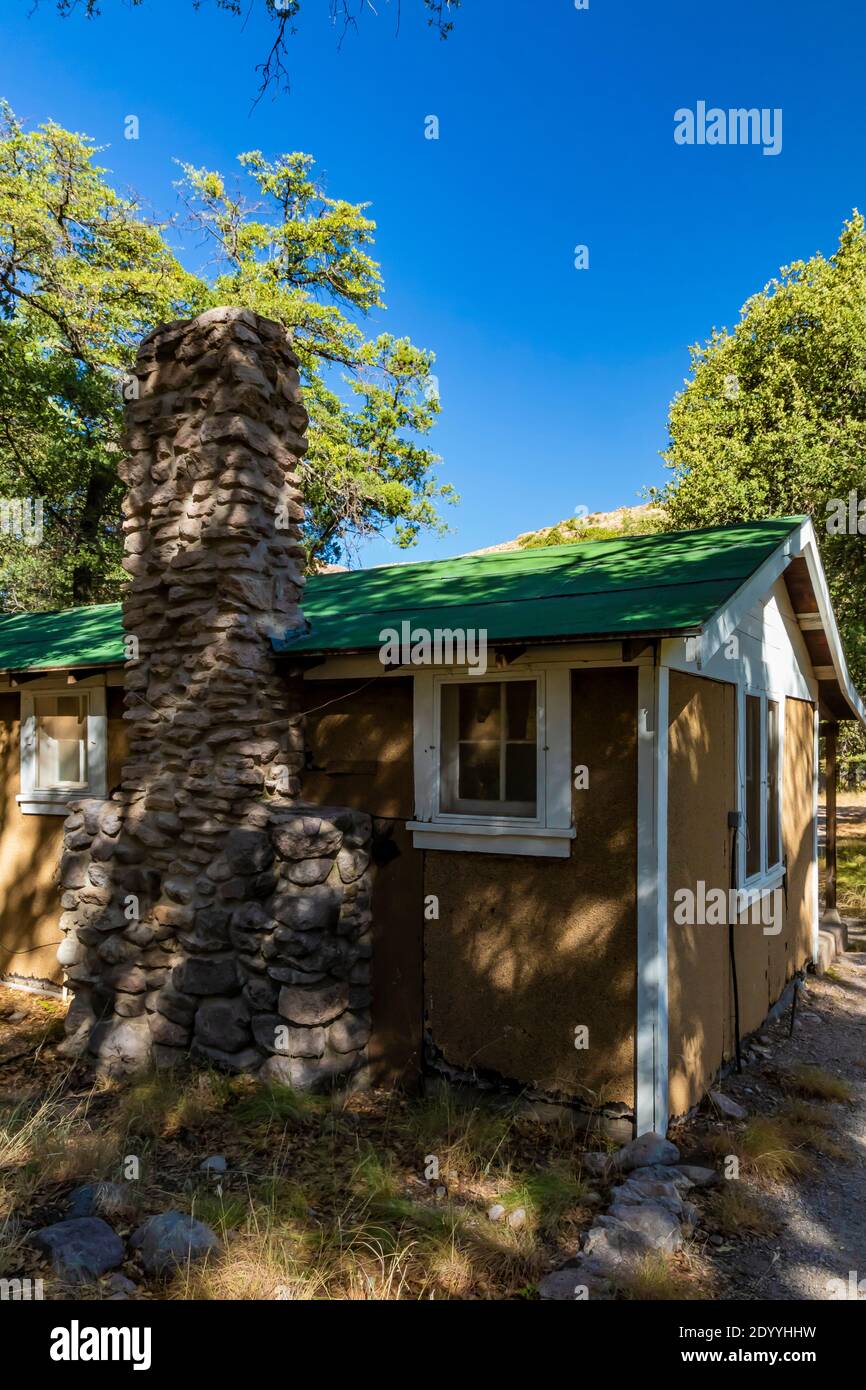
[{"x": 591, "y": 773}]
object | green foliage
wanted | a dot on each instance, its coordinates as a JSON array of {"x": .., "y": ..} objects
[
  {"x": 85, "y": 274},
  {"x": 772, "y": 421}
]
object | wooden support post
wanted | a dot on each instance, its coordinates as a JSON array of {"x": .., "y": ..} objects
[{"x": 830, "y": 774}]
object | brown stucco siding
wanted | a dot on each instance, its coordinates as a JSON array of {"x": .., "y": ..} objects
[
  {"x": 701, "y": 791},
  {"x": 702, "y": 788},
  {"x": 798, "y": 826},
  {"x": 30, "y": 848},
  {"x": 359, "y": 754},
  {"x": 525, "y": 949}
]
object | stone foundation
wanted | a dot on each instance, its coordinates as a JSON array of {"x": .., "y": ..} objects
[
  {"x": 208, "y": 914},
  {"x": 265, "y": 967}
]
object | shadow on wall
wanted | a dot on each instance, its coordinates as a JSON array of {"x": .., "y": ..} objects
[
  {"x": 530, "y": 968},
  {"x": 702, "y": 789}
]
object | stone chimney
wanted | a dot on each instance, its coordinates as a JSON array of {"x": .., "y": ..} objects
[{"x": 207, "y": 912}]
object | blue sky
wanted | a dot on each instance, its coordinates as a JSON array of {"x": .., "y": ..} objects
[{"x": 556, "y": 129}]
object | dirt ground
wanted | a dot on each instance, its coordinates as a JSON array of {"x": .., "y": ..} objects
[{"x": 818, "y": 1218}]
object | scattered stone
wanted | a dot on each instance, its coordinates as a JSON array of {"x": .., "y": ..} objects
[
  {"x": 517, "y": 1219},
  {"x": 699, "y": 1177},
  {"x": 104, "y": 1199},
  {"x": 172, "y": 1240},
  {"x": 120, "y": 1287},
  {"x": 496, "y": 1212},
  {"x": 80, "y": 1249},
  {"x": 727, "y": 1107},
  {"x": 650, "y": 1148},
  {"x": 215, "y": 1164}
]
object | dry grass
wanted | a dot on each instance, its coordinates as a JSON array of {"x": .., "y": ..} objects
[
  {"x": 325, "y": 1196},
  {"x": 816, "y": 1084},
  {"x": 765, "y": 1146},
  {"x": 657, "y": 1278},
  {"x": 735, "y": 1209}
]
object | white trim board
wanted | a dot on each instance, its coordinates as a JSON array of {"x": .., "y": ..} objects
[{"x": 651, "y": 1040}]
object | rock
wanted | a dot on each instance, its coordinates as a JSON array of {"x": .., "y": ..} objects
[
  {"x": 638, "y": 1190},
  {"x": 665, "y": 1174},
  {"x": 517, "y": 1219},
  {"x": 122, "y": 1045},
  {"x": 309, "y": 909},
  {"x": 69, "y": 952},
  {"x": 215, "y": 1164},
  {"x": 728, "y": 1107},
  {"x": 633, "y": 1230},
  {"x": 173, "y": 1240},
  {"x": 223, "y": 1023},
  {"x": 168, "y": 1033},
  {"x": 273, "y": 1034},
  {"x": 103, "y": 1199},
  {"x": 650, "y": 1148},
  {"x": 313, "y": 1006},
  {"x": 599, "y": 1165},
  {"x": 178, "y": 1007},
  {"x": 579, "y": 1279},
  {"x": 309, "y": 871},
  {"x": 120, "y": 1287},
  {"x": 699, "y": 1177},
  {"x": 349, "y": 1033},
  {"x": 496, "y": 1212},
  {"x": 80, "y": 1249},
  {"x": 246, "y": 1060},
  {"x": 206, "y": 975}
]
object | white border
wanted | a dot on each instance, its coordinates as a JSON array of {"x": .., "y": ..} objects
[
  {"x": 41, "y": 801},
  {"x": 651, "y": 1043}
]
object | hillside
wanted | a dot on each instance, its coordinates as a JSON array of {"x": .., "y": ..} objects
[{"x": 597, "y": 526}]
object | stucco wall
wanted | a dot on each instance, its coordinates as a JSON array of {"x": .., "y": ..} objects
[
  {"x": 30, "y": 848},
  {"x": 526, "y": 949},
  {"x": 702, "y": 788},
  {"x": 701, "y": 791},
  {"x": 359, "y": 754}
]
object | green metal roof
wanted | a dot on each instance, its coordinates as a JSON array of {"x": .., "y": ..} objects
[
  {"x": 72, "y": 637},
  {"x": 654, "y": 584},
  {"x": 630, "y": 586}
]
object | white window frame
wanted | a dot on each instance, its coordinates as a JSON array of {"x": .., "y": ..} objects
[
  {"x": 54, "y": 801},
  {"x": 550, "y": 831},
  {"x": 768, "y": 875}
]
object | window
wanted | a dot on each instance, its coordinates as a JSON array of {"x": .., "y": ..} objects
[
  {"x": 763, "y": 789},
  {"x": 493, "y": 758},
  {"x": 489, "y": 763},
  {"x": 63, "y": 748},
  {"x": 774, "y": 847},
  {"x": 753, "y": 785},
  {"x": 61, "y": 741}
]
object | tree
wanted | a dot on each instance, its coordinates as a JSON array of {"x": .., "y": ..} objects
[
  {"x": 772, "y": 421},
  {"x": 284, "y": 14},
  {"x": 85, "y": 274}
]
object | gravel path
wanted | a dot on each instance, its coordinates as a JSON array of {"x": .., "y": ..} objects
[{"x": 823, "y": 1229}]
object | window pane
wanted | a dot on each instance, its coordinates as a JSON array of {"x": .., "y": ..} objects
[
  {"x": 480, "y": 710},
  {"x": 478, "y": 778},
  {"x": 774, "y": 848},
  {"x": 61, "y": 740},
  {"x": 520, "y": 773},
  {"x": 489, "y": 755},
  {"x": 520, "y": 709},
  {"x": 753, "y": 785}
]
